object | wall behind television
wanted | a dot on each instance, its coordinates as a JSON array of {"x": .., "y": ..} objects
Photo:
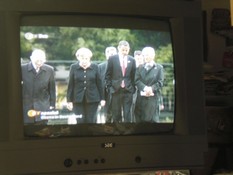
[{"x": 216, "y": 44}]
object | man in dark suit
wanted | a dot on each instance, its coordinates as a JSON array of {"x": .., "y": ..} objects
[
  {"x": 109, "y": 51},
  {"x": 120, "y": 82},
  {"x": 38, "y": 84}
]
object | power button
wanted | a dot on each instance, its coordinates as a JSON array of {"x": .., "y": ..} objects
[{"x": 68, "y": 162}]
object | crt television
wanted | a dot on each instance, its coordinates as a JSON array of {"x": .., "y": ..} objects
[{"x": 173, "y": 27}]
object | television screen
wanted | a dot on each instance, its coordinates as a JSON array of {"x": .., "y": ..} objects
[
  {"x": 132, "y": 117},
  {"x": 65, "y": 98}
]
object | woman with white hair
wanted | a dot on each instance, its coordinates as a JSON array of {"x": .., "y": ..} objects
[
  {"x": 85, "y": 90},
  {"x": 149, "y": 81}
]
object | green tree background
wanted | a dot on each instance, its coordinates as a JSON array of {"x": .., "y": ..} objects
[{"x": 61, "y": 44}]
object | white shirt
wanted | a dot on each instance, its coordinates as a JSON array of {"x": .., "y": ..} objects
[
  {"x": 35, "y": 67},
  {"x": 123, "y": 60}
]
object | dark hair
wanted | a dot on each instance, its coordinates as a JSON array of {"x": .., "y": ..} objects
[
  {"x": 137, "y": 52},
  {"x": 123, "y": 43}
]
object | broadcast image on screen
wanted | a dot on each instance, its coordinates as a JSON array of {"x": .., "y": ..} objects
[{"x": 72, "y": 80}]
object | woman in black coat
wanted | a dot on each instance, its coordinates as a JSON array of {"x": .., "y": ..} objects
[
  {"x": 85, "y": 90},
  {"x": 149, "y": 81}
]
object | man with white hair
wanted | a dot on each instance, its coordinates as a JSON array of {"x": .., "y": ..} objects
[
  {"x": 149, "y": 79},
  {"x": 38, "y": 84}
]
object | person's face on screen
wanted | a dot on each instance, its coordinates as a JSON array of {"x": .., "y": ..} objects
[
  {"x": 139, "y": 59},
  {"x": 148, "y": 58},
  {"x": 84, "y": 59},
  {"x": 148, "y": 54},
  {"x": 110, "y": 51},
  {"x": 38, "y": 58},
  {"x": 84, "y": 56},
  {"x": 123, "y": 50}
]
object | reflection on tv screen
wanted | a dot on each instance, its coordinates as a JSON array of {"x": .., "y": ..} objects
[{"x": 96, "y": 80}]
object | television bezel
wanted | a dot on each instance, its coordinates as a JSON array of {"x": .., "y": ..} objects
[{"x": 183, "y": 148}]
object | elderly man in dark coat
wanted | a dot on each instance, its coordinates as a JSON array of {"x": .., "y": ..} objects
[
  {"x": 38, "y": 84},
  {"x": 149, "y": 81}
]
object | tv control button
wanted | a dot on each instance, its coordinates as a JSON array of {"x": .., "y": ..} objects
[
  {"x": 103, "y": 160},
  {"x": 138, "y": 159},
  {"x": 79, "y": 162},
  {"x": 86, "y": 161},
  {"x": 96, "y": 161},
  {"x": 68, "y": 163}
]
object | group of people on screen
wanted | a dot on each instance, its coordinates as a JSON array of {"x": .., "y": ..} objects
[{"x": 127, "y": 88}]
